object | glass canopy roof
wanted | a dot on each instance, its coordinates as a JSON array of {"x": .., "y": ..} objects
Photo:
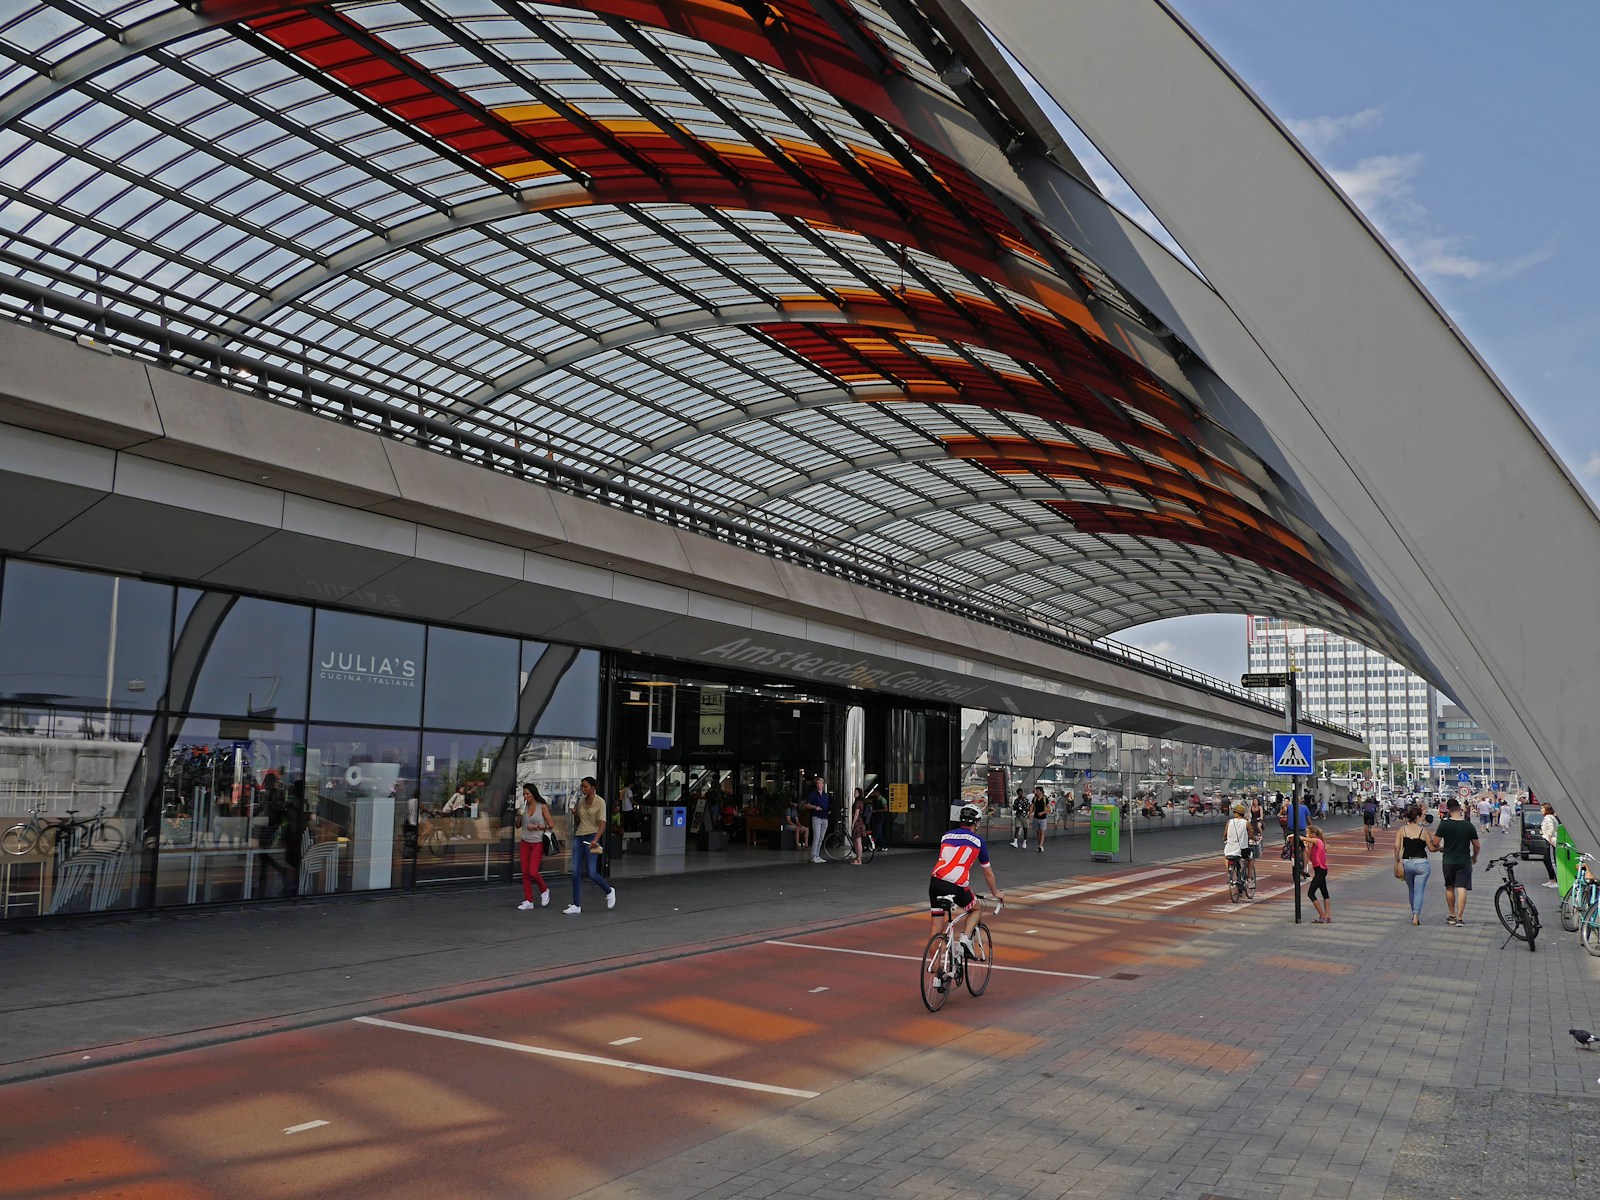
[{"x": 692, "y": 257}]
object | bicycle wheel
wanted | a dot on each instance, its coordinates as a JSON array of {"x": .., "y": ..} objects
[
  {"x": 836, "y": 847},
  {"x": 935, "y": 985},
  {"x": 1530, "y": 923},
  {"x": 108, "y": 838},
  {"x": 869, "y": 847},
  {"x": 980, "y": 960},
  {"x": 1569, "y": 906},
  {"x": 19, "y": 839},
  {"x": 1589, "y": 930},
  {"x": 1508, "y": 909},
  {"x": 1235, "y": 889},
  {"x": 1250, "y": 880},
  {"x": 434, "y": 841}
]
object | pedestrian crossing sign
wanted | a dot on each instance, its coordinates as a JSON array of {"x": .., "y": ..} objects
[{"x": 1293, "y": 754}]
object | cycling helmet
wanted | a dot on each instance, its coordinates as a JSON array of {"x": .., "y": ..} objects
[{"x": 967, "y": 816}]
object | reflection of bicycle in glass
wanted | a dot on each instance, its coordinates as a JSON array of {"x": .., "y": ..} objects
[
  {"x": 946, "y": 963},
  {"x": 68, "y": 835},
  {"x": 433, "y": 837}
]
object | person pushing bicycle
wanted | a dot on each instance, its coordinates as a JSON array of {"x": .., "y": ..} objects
[{"x": 958, "y": 851}]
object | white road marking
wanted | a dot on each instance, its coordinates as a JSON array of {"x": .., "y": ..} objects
[
  {"x": 1233, "y": 910},
  {"x": 814, "y": 991},
  {"x": 306, "y": 1126},
  {"x": 1030, "y": 931},
  {"x": 1100, "y": 885},
  {"x": 593, "y": 1060},
  {"x": 918, "y": 958},
  {"x": 625, "y": 1041},
  {"x": 1150, "y": 889}
]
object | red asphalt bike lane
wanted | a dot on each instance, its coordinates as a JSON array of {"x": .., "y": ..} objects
[{"x": 555, "y": 1088}]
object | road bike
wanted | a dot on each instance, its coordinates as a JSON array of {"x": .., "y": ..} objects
[
  {"x": 1513, "y": 907},
  {"x": 1241, "y": 879},
  {"x": 946, "y": 964},
  {"x": 70, "y": 835}
]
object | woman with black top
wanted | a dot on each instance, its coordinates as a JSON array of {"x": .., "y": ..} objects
[{"x": 1411, "y": 855}]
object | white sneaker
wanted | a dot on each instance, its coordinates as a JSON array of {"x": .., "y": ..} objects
[
  {"x": 1552, "y": 883},
  {"x": 526, "y": 905},
  {"x": 544, "y": 898},
  {"x": 571, "y": 910},
  {"x": 611, "y": 898}
]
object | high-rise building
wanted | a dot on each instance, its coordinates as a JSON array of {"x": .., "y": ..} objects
[
  {"x": 1344, "y": 682},
  {"x": 1470, "y": 749}
]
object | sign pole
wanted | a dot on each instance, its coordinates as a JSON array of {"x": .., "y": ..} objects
[{"x": 1293, "y": 713}]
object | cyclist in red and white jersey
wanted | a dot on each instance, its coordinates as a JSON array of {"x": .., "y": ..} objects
[{"x": 959, "y": 850}]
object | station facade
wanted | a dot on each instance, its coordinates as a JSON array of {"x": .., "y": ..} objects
[{"x": 218, "y": 747}]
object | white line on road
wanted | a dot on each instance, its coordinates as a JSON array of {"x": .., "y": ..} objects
[
  {"x": 918, "y": 958},
  {"x": 1150, "y": 889},
  {"x": 591, "y": 1059},
  {"x": 625, "y": 1041},
  {"x": 306, "y": 1126},
  {"x": 1079, "y": 889},
  {"x": 1233, "y": 910}
]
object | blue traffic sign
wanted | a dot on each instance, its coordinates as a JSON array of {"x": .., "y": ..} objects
[
  {"x": 1463, "y": 776},
  {"x": 1293, "y": 754},
  {"x": 1439, "y": 760}
]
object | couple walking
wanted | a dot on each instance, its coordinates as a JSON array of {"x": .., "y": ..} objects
[{"x": 1455, "y": 839}]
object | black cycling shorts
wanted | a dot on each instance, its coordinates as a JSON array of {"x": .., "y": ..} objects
[{"x": 937, "y": 887}]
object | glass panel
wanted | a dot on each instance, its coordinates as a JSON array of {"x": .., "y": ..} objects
[
  {"x": 366, "y": 669},
  {"x": 55, "y": 764},
  {"x": 461, "y": 832},
  {"x": 72, "y": 637},
  {"x": 574, "y": 705},
  {"x": 257, "y": 662},
  {"x": 358, "y": 786},
  {"x": 233, "y": 814},
  {"x": 472, "y": 680}
]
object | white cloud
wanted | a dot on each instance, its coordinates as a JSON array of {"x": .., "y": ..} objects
[
  {"x": 1317, "y": 134},
  {"x": 1162, "y": 649},
  {"x": 1592, "y": 467}
]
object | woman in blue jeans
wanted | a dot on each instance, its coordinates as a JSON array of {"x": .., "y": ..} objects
[
  {"x": 1411, "y": 852},
  {"x": 588, "y": 827}
]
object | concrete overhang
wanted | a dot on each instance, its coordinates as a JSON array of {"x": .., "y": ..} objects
[{"x": 113, "y": 464}]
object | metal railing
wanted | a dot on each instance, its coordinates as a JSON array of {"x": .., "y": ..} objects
[{"x": 108, "y": 328}]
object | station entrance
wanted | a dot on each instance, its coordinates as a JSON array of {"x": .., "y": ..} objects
[{"x": 737, "y": 754}]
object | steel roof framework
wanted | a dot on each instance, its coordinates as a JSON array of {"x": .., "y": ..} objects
[{"x": 686, "y": 246}]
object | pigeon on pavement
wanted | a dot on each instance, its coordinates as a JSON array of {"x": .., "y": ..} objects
[{"x": 1584, "y": 1038}]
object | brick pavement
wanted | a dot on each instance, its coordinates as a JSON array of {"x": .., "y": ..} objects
[{"x": 1362, "y": 1060}]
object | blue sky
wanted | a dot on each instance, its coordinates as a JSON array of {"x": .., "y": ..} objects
[{"x": 1466, "y": 131}]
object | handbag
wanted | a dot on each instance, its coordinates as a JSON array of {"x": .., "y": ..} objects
[
  {"x": 1399, "y": 870},
  {"x": 552, "y": 843},
  {"x": 1287, "y": 853}
]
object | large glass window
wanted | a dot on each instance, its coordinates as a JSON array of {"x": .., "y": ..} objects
[
  {"x": 256, "y": 664},
  {"x": 55, "y": 763},
  {"x": 359, "y": 784},
  {"x": 462, "y": 830},
  {"x": 565, "y": 696},
  {"x": 366, "y": 669},
  {"x": 472, "y": 680},
  {"x": 76, "y": 638},
  {"x": 232, "y": 814}
]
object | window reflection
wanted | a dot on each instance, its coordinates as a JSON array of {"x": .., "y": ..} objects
[
  {"x": 366, "y": 669},
  {"x": 72, "y": 637},
  {"x": 71, "y": 834},
  {"x": 358, "y": 786},
  {"x": 472, "y": 680},
  {"x": 461, "y": 828},
  {"x": 227, "y": 829},
  {"x": 256, "y": 663}
]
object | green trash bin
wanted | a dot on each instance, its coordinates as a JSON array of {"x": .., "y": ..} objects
[{"x": 1105, "y": 832}]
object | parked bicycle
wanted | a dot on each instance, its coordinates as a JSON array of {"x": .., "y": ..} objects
[
  {"x": 946, "y": 965},
  {"x": 1513, "y": 906},
  {"x": 66, "y": 835},
  {"x": 1580, "y": 906},
  {"x": 838, "y": 845}
]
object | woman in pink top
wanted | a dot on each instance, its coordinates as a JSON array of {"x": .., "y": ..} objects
[{"x": 1317, "y": 857}]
